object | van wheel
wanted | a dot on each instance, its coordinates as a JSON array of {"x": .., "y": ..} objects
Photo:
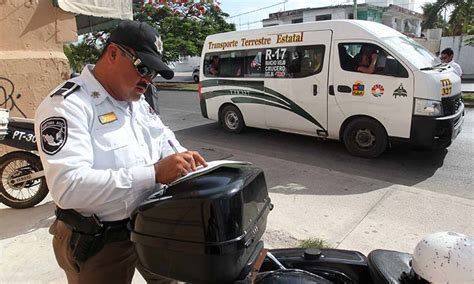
[
  {"x": 365, "y": 137},
  {"x": 196, "y": 79},
  {"x": 232, "y": 120}
]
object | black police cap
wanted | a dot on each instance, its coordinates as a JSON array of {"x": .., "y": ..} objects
[{"x": 146, "y": 42}]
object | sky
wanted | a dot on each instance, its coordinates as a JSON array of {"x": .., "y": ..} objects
[{"x": 253, "y": 20}]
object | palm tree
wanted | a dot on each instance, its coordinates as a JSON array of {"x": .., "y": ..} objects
[{"x": 461, "y": 18}]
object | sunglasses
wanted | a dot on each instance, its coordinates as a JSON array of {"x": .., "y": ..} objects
[{"x": 141, "y": 68}]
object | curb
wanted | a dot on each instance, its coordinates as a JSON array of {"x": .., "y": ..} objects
[
  {"x": 162, "y": 86},
  {"x": 176, "y": 90}
]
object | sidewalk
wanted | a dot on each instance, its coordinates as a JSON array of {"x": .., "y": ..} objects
[{"x": 395, "y": 217}]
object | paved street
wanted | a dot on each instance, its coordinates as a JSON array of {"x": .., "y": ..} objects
[
  {"x": 318, "y": 189},
  {"x": 446, "y": 171},
  {"x": 354, "y": 203}
]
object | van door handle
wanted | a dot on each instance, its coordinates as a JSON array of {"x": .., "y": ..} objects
[
  {"x": 315, "y": 90},
  {"x": 344, "y": 89}
]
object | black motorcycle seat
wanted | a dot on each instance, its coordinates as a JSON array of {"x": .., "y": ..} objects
[
  {"x": 387, "y": 266},
  {"x": 25, "y": 123}
]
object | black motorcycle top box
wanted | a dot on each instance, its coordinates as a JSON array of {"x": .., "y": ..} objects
[{"x": 206, "y": 229}]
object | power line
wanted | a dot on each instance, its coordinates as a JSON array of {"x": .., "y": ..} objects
[
  {"x": 311, "y": 18},
  {"x": 347, "y": 2},
  {"x": 259, "y": 9}
]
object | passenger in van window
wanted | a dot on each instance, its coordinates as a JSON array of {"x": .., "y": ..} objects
[
  {"x": 347, "y": 62},
  {"x": 214, "y": 66},
  {"x": 366, "y": 60},
  {"x": 294, "y": 65},
  {"x": 312, "y": 63}
]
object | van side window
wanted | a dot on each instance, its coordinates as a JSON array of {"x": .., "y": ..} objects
[
  {"x": 281, "y": 62},
  {"x": 370, "y": 59},
  {"x": 224, "y": 64},
  {"x": 312, "y": 58}
]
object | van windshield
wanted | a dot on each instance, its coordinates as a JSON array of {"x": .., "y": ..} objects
[{"x": 413, "y": 51}]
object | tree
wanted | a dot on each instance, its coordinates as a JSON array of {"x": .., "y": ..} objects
[
  {"x": 429, "y": 21},
  {"x": 461, "y": 18},
  {"x": 182, "y": 26},
  {"x": 86, "y": 51}
]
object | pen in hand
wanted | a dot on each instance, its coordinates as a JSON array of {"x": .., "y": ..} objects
[{"x": 173, "y": 147}]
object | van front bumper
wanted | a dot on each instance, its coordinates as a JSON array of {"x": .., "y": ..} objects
[{"x": 436, "y": 132}]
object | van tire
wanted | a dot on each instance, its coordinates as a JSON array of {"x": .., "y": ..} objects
[
  {"x": 196, "y": 79},
  {"x": 232, "y": 120},
  {"x": 365, "y": 137}
]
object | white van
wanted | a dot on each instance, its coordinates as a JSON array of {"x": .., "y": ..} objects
[{"x": 309, "y": 79}]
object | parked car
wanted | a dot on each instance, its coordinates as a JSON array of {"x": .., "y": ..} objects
[{"x": 196, "y": 74}]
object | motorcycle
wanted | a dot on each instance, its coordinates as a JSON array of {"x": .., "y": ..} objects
[
  {"x": 23, "y": 184},
  {"x": 208, "y": 229}
]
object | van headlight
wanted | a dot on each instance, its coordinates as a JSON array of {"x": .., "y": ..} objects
[{"x": 428, "y": 107}]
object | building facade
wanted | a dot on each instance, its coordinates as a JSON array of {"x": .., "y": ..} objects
[{"x": 401, "y": 19}]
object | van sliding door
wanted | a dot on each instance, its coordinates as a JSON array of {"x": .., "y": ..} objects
[{"x": 297, "y": 78}]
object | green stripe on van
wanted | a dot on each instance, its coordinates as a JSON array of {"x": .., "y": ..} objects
[
  {"x": 248, "y": 100},
  {"x": 260, "y": 95},
  {"x": 254, "y": 94},
  {"x": 224, "y": 82}
]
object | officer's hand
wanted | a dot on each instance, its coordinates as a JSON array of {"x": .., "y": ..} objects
[{"x": 177, "y": 165}]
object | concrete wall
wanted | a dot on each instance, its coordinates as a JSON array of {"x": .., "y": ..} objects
[
  {"x": 463, "y": 54},
  {"x": 430, "y": 44},
  {"x": 336, "y": 14},
  {"x": 32, "y": 61}
]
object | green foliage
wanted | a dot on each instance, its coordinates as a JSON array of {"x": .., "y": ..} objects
[
  {"x": 183, "y": 28},
  {"x": 81, "y": 54},
  {"x": 87, "y": 51},
  {"x": 314, "y": 243},
  {"x": 431, "y": 18},
  {"x": 468, "y": 97},
  {"x": 460, "y": 21},
  {"x": 469, "y": 41},
  {"x": 177, "y": 86}
]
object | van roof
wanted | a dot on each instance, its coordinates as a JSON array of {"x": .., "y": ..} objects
[{"x": 343, "y": 29}]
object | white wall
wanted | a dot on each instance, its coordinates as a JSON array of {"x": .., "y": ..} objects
[
  {"x": 336, "y": 14},
  {"x": 463, "y": 55},
  {"x": 430, "y": 44}
]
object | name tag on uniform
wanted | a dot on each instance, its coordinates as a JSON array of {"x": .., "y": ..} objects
[{"x": 107, "y": 118}]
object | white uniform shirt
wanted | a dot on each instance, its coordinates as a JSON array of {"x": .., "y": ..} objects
[
  {"x": 97, "y": 152},
  {"x": 456, "y": 67}
]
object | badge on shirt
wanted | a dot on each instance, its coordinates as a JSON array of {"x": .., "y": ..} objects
[
  {"x": 107, "y": 118},
  {"x": 53, "y": 134}
]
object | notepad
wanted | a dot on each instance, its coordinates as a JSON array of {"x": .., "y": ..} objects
[{"x": 211, "y": 166}]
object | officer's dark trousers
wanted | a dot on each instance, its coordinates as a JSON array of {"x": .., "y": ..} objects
[{"x": 115, "y": 263}]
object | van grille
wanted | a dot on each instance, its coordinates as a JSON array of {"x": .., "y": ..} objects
[{"x": 452, "y": 104}]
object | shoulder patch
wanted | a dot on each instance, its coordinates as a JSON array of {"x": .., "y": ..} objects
[
  {"x": 53, "y": 134},
  {"x": 66, "y": 89}
]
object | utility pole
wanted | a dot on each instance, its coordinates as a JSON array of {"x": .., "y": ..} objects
[{"x": 355, "y": 10}]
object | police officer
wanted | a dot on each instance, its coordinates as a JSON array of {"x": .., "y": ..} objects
[{"x": 104, "y": 150}]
